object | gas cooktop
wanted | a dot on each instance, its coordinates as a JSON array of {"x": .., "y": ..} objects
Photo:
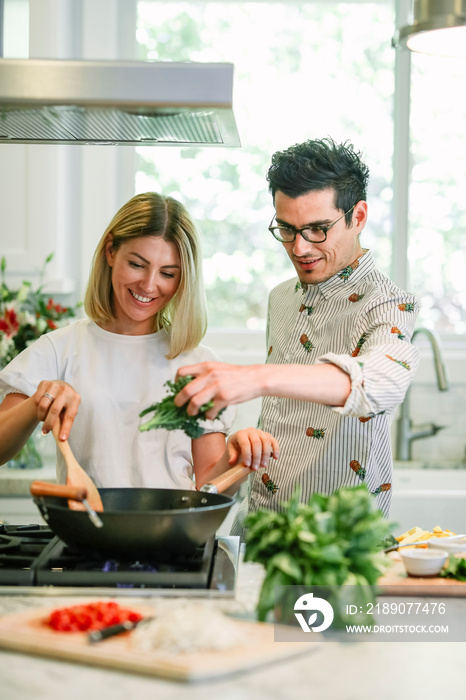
[{"x": 34, "y": 561}]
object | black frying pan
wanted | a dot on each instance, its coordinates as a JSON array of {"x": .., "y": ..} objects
[{"x": 139, "y": 521}]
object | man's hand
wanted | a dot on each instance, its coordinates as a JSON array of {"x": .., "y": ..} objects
[{"x": 219, "y": 382}]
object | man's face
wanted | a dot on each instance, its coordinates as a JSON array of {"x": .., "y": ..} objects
[{"x": 317, "y": 262}]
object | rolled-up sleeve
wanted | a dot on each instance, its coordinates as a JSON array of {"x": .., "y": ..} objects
[{"x": 384, "y": 361}]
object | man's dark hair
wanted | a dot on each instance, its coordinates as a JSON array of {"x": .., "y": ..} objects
[{"x": 320, "y": 165}]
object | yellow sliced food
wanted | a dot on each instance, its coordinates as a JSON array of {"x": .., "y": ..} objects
[
  {"x": 417, "y": 534},
  {"x": 413, "y": 538},
  {"x": 425, "y": 536},
  {"x": 408, "y": 532}
]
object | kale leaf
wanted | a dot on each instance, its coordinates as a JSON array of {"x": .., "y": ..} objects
[
  {"x": 388, "y": 541},
  {"x": 169, "y": 416}
]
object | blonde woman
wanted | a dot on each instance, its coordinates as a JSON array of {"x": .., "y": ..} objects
[{"x": 146, "y": 311}]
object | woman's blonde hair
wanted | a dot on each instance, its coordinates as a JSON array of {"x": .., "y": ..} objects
[{"x": 151, "y": 214}]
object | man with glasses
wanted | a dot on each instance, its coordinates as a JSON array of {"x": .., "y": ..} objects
[{"x": 338, "y": 338}]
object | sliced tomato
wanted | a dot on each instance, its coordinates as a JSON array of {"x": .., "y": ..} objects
[{"x": 93, "y": 616}]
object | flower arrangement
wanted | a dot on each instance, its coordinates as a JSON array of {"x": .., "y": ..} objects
[{"x": 26, "y": 314}]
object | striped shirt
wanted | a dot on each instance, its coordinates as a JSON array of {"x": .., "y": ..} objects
[{"x": 361, "y": 322}]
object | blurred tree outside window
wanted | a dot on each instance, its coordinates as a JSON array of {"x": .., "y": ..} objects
[
  {"x": 303, "y": 70},
  {"x": 309, "y": 70}
]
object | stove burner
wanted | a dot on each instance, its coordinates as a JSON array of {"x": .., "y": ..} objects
[
  {"x": 33, "y": 556},
  {"x": 137, "y": 566}
]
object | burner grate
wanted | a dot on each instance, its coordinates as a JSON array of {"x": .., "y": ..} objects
[
  {"x": 65, "y": 567},
  {"x": 20, "y": 545},
  {"x": 34, "y": 561}
]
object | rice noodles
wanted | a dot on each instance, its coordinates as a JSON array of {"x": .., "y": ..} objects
[{"x": 187, "y": 626}]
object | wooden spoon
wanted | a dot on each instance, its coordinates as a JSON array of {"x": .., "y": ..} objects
[{"x": 76, "y": 476}]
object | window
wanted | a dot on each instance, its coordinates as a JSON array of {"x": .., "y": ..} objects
[
  {"x": 302, "y": 70},
  {"x": 437, "y": 195}
]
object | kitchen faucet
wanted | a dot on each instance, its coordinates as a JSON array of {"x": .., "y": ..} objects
[{"x": 406, "y": 432}]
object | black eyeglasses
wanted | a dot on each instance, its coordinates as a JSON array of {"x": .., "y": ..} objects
[{"x": 310, "y": 233}]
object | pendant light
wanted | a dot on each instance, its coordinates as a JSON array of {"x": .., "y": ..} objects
[{"x": 438, "y": 28}]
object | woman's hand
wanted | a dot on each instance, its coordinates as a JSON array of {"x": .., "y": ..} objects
[
  {"x": 56, "y": 399},
  {"x": 252, "y": 447}
]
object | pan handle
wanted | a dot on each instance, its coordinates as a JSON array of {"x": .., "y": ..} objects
[
  {"x": 74, "y": 493},
  {"x": 44, "y": 488},
  {"x": 224, "y": 481}
]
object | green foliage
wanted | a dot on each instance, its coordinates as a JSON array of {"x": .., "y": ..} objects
[
  {"x": 169, "y": 416},
  {"x": 280, "y": 98},
  {"x": 456, "y": 568},
  {"x": 175, "y": 40},
  {"x": 332, "y": 540},
  {"x": 389, "y": 541}
]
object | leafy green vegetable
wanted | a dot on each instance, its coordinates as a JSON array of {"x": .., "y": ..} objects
[
  {"x": 169, "y": 416},
  {"x": 330, "y": 541},
  {"x": 456, "y": 568},
  {"x": 389, "y": 541}
]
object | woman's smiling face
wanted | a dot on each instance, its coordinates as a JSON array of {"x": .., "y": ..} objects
[{"x": 146, "y": 273}]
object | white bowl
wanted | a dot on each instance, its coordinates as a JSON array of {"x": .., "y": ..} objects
[
  {"x": 423, "y": 562},
  {"x": 448, "y": 544}
]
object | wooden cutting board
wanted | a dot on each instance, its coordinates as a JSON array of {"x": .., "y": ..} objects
[
  {"x": 396, "y": 581},
  {"x": 26, "y": 633}
]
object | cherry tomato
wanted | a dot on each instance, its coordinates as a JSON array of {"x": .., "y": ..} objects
[{"x": 93, "y": 616}]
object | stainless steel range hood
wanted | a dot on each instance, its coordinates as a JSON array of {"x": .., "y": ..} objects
[{"x": 134, "y": 103}]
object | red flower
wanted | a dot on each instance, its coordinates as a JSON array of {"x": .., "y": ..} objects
[
  {"x": 56, "y": 308},
  {"x": 9, "y": 323},
  {"x": 51, "y": 324}
]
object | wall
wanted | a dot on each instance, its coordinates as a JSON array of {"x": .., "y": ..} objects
[{"x": 447, "y": 409}]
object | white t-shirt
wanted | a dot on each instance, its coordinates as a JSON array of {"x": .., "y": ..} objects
[{"x": 117, "y": 377}]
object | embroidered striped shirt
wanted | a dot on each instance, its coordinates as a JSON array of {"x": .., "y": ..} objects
[{"x": 360, "y": 321}]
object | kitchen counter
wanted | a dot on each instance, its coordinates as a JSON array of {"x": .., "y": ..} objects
[
  {"x": 16, "y": 504},
  {"x": 16, "y": 482},
  {"x": 331, "y": 671},
  {"x": 430, "y": 464}
]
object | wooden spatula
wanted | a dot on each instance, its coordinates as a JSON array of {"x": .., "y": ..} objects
[{"x": 76, "y": 476}]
